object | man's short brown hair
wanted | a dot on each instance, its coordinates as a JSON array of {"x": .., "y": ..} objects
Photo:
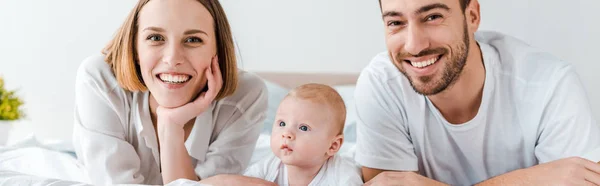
[{"x": 463, "y": 4}]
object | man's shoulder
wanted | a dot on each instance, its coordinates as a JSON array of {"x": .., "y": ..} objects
[
  {"x": 512, "y": 58},
  {"x": 382, "y": 85},
  {"x": 381, "y": 73},
  {"x": 381, "y": 67}
]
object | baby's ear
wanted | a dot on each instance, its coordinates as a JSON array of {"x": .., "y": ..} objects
[{"x": 335, "y": 145}]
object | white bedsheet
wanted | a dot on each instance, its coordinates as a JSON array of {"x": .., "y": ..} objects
[
  {"x": 16, "y": 178},
  {"x": 50, "y": 160},
  {"x": 31, "y": 162}
]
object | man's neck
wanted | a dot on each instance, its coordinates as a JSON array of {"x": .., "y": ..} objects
[
  {"x": 460, "y": 102},
  {"x": 302, "y": 175}
]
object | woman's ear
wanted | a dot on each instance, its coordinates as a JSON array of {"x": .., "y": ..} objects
[{"x": 335, "y": 145}]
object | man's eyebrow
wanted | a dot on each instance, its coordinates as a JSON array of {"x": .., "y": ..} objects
[
  {"x": 427, "y": 8},
  {"x": 391, "y": 14}
]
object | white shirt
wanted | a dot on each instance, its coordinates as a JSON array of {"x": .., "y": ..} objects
[
  {"x": 114, "y": 137},
  {"x": 534, "y": 110},
  {"x": 337, "y": 170}
]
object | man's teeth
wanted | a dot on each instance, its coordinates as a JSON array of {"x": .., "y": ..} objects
[
  {"x": 171, "y": 78},
  {"x": 424, "y": 63}
]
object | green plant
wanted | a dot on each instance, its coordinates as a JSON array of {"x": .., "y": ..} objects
[{"x": 10, "y": 104}]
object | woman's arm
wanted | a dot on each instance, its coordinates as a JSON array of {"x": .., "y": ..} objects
[
  {"x": 99, "y": 137},
  {"x": 175, "y": 160}
]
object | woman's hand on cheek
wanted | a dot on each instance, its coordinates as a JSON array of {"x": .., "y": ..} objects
[{"x": 178, "y": 117}]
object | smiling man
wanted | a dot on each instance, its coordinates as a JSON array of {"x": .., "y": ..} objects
[{"x": 446, "y": 105}]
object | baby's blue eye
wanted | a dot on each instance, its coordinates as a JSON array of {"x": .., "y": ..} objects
[
  {"x": 282, "y": 124},
  {"x": 303, "y": 128}
]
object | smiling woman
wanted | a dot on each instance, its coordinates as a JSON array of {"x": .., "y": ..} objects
[{"x": 166, "y": 100}]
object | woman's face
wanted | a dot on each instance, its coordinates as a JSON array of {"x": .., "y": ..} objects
[{"x": 175, "y": 44}]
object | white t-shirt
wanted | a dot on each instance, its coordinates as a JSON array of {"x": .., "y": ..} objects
[
  {"x": 115, "y": 140},
  {"x": 337, "y": 170},
  {"x": 534, "y": 110}
]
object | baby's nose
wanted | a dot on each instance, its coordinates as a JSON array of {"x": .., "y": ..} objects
[{"x": 287, "y": 135}]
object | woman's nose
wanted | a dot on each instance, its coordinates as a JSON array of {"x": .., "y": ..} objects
[{"x": 173, "y": 55}]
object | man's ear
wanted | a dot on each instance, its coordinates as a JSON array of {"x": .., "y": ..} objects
[
  {"x": 473, "y": 15},
  {"x": 335, "y": 145}
]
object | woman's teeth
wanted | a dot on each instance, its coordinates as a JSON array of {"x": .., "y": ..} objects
[
  {"x": 174, "y": 79},
  {"x": 424, "y": 63}
]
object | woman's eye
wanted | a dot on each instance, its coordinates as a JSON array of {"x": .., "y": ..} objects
[
  {"x": 303, "y": 128},
  {"x": 282, "y": 124},
  {"x": 193, "y": 40},
  {"x": 155, "y": 38}
]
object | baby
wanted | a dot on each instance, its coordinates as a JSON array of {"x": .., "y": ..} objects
[{"x": 307, "y": 133}]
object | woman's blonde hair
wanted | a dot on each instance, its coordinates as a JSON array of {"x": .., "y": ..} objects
[{"x": 121, "y": 54}]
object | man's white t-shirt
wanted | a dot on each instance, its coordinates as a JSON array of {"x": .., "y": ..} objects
[
  {"x": 337, "y": 170},
  {"x": 534, "y": 110}
]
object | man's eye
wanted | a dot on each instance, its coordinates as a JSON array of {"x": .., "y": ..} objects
[
  {"x": 395, "y": 23},
  {"x": 282, "y": 124},
  {"x": 434, "y": 17}
]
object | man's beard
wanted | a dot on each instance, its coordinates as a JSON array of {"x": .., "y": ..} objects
[{"x": 451, "y": 72}]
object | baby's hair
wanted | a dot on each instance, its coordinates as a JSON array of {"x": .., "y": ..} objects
[{"x": 323, "y": 94}]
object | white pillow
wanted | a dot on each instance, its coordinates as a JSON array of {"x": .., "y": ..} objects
[
  {"x": 276, "y": 94},
  {"x": 347, "y": 93}
]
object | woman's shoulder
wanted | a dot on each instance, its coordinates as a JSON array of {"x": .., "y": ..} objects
[
  {"x": 101, "y": 104},
  {"x": 96, "y": 80},
  {"x": 96, "y": 71},
  {"x": 250, "y": 89}
]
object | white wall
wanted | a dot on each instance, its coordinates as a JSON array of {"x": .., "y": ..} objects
[{"x": 43, "y": 42}]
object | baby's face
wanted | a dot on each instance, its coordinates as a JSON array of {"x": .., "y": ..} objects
[{"x": 303, "y": 132}]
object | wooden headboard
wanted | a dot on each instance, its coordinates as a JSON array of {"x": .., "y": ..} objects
[{"x": 291, "y": 80}]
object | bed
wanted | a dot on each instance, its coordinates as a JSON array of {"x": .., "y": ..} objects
[{"x": 32, "y": 162}]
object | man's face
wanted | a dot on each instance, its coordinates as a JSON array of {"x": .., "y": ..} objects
[{"x": 428, "y": 41}]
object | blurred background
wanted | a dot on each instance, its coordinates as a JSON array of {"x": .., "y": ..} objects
[{"x": 43, "y": 42}]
